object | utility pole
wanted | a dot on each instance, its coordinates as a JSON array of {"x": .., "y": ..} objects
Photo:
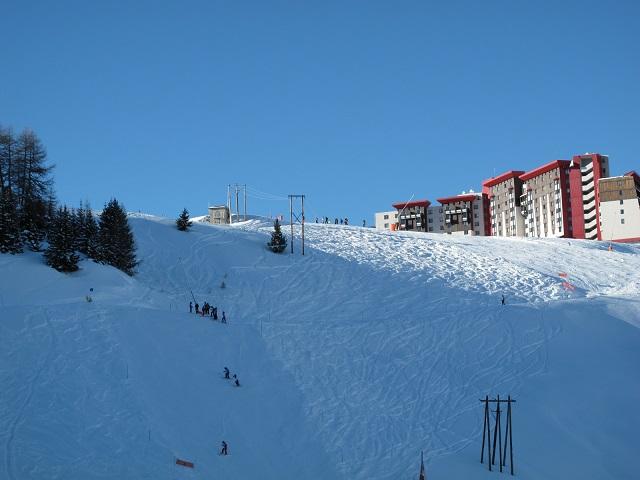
[
  {"x": 237, "y": 210},
  {"x": 245, "y": 201},
  {"x": 229, "y": 202},
  {"x": 298, "y": 218}
]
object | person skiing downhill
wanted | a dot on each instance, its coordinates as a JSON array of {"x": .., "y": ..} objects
[{"x": 224, "y": 451}]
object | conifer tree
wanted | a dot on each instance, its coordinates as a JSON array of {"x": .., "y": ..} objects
[
  {"x": 61, "y": 253},
  {"x": 278, "y": 241},
  {"x": 183, "y": 223},
  {"x": 90, "y": 247},
  {"x": 116, "y": 245},
  {"x": 10, "y": 238}
]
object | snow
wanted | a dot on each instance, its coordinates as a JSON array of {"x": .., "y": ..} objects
[{"x": 352, "y": 359}]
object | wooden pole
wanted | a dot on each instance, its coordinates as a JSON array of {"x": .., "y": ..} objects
[
  {"x": 510, "y": 435},
  {"x": 484, "y": 427},
  {"x": 291, "y": 220}
]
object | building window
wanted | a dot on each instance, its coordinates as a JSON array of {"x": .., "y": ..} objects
[
  {"x": 431, "y": 220},
  {"x": 622, "y": 220},
  {"x": 621, "y": 211},
  {"x": 386, "y": 217},
  {"x": 386, "y": 225},
  {"x": 441, "y": 227},
  {"x": 396, "y": 215},
  {"x": 431, "y": 229},
  {"x": 476, "y": 224},
  {"x": 620, "y": 192},
  {"x": 475, "y": 207},
  {"x": 621, "y": 202}
]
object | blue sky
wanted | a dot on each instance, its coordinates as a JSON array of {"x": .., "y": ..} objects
[{"x": 356, "y": 104}]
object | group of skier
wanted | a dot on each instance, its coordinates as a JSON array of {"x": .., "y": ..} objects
[
  {"x": 227, "y": 376},
  {"x": 207, "y": 311},
  {"x": 341, "y": 221}
]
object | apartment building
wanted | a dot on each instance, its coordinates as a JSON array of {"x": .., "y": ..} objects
[
  {"x": 412, "y": 215},
  {"x": 545, "y": 203},
  {"x": 465, "y": 214},
  {"x": 585, "y": 171},
  {"x": 435, "y": 219},
  {"x": 505, "y": 215},
  {"x": 386, "y": 220},
  {"x": 619, "y": 208}
]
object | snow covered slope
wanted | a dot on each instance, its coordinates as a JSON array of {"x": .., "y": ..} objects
[{"x": 354, "y": 358}]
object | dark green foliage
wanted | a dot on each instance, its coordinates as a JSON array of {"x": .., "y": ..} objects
[
  {"x": 10, "y": 239},
  {"x": 278, "y": 241},
  {"x": 61, "y": 253},
  {"x": 116, "y": 245},
  {"x": 25, "y": 173},
  {"x": 86, "y": 231},
  {"x": 183, "y": 223}
]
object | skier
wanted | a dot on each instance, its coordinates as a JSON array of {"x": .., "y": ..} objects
[
  {"x": 224, "y": 448},
  {"x": 190, "y": 307},
  {"x": 341, "y": 221},
  {"x": 226, "y": 373},
  {"x": 224, "y": 318},
  {"x": 316, "y": 219},
  {"x": 346, "y": 221},
  {"x": 364, "y": 223},
  {"x": 211, "y": 312},
  {"x": 503, "y": 300},
  {"x": 197, "y": 308},
  {"x": 215, "y": 313},
  {"x": 237, "y": 382},
  {"x": 336, "y": 222}
]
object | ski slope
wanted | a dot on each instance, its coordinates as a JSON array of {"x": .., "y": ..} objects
[{"x": 372, "y": 347}]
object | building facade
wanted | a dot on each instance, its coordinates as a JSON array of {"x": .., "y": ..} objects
[
  {"x": 385, "y": 220},
  {"x": 219, "y": 214},
  {"x": 435, "y": 219},
  {"x": 505, "y": 215},
  {"x": 585, "y": 171},
  {"x": 619, "y": 208},
  {"x": 465, "y": 214},
  {"x": 545, "y": 203},
  {"x": 412, "y": 215}
]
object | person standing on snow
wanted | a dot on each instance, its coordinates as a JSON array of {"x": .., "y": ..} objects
[
  {"x": 197, "y": 308},
  {"x": 346, "y": 221},
  {"x": 503, "y": 300},
  {"x": 215, "y": 313},
  {"x": 224, "y": 318},
  {"x": 224, "y": 451},
  {"x": 226, "y": 373},
  {"x": 190, "y": 307}
]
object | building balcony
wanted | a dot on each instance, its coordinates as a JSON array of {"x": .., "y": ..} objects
[{"x": 587, "y": 178}]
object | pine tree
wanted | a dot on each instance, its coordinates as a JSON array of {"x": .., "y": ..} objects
[
  {"x": 116, "y": 245},
  {"x": 10, "y": 239},
  {"x": 183, "y": 223},
  {"x": 61, "y": 253},
  {"x": 278, "y": 241},
  {"x": 32, "y": 184},
  {"x": 80, "y": 225},
  {"x": 91, "y": 230}
]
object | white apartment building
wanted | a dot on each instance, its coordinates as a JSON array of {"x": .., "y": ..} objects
[
  {"x": 620, "y": 208},
  {"x": 385, "y": 220}
]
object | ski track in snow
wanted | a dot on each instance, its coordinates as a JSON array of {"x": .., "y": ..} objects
[{"x": 391, "y": 338}]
